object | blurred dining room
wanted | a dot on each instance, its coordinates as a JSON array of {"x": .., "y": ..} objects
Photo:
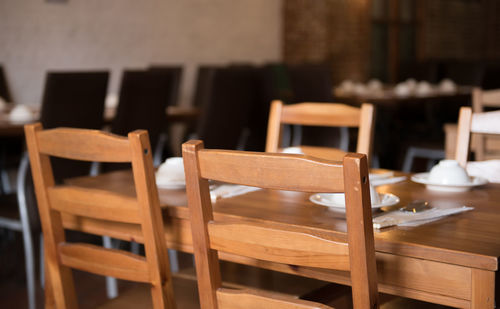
[{"x": 249, "y": 154}]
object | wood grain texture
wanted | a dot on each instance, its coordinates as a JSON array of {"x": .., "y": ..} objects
[
  {"x": 97, "y": 204},
  {"x": 114, "y": 263},
  {"x": 278, "y": 243},
  {"x": 271, "y": 170},
  {"x": 288, "y": 245},
  {"x": 248, "y": 299},
  {"x": 484, "y": 289},
  {"x": 463, "y": 135},
  {"x": 77, "y": 144},
  {"x": 143, "y": 209},
  {"x": 321, "y": 114}
]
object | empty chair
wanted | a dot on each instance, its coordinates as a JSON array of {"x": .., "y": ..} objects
[
  {"x": 273, "y": 242},
  {"x": 4, "y": 87},
  {"x": 144, "y": 96},
  {"x": 174, "y": 74},
  {"x": 483, "y": 146},
  {"x": 76, "y": 100},
  {"x": 231, "y": 91},
  {"x": 321, "y": 114},
  {"x": 479, "y": 123},
  {"x": 56, "y": 201}
]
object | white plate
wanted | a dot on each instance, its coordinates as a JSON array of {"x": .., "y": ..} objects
[
  {"x": 386, "y": 199},
  {"x": 423, "y": 178}
]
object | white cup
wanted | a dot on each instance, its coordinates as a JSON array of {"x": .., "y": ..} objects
[{"x": 448, "y": 172}]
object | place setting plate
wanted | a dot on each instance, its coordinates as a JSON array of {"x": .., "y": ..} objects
[
  {"x": 334, "y": 200},
  {"x": 423, "y": 178}
]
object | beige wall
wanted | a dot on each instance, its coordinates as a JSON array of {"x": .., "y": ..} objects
[{"x": 39, "y": 35}]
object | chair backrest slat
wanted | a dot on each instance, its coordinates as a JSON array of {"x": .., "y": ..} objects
[
  {"x": 246, "y": 299},
  {"x": 321, "y": 114},
  {"x": 275, "y": 242},
  {"x": 76, "y": 144},
  {"x": 299, "y": 248},
  {"x": 95, "y": 204},
  {"x": 248, "y": 169},
  {"x": 56, "y": 200},
  {"x": 114, "y": 263}
]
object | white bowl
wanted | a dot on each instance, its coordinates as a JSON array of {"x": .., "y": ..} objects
[
  {"x": 423, "y": 88},
  {"x": 448, "y": 172},
  {"x": 411, "y": 83},
  {"x": 447, "y": 86},
  {"x": 21, "y": 113},
  {"x": 170, "y": 174},
  {"x": 402, "y": 90}
]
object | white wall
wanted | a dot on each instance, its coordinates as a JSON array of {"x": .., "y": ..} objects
[{"x": 39, "y": 35}]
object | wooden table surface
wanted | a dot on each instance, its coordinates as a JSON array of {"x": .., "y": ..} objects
[{"x": 452, "y": 261}]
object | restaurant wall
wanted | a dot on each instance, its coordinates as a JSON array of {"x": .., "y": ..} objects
[
  {"x": 41, "y": 35},
  {"x": 329, "y": 31}
]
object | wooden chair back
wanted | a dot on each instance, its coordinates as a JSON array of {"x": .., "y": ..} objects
[
  {"x": 468, "y": 123},
  {"x": 321, "y": 114},
  {"x": 273, "y": 242},
  {"x": 55, "y": 200},
  {"x": 485, "y": 146}
]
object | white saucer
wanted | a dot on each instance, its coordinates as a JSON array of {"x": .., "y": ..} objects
[
  {"x": 423, "y": 178},
  {"x": 386, "y": 199},
  {"x": 172, "y": 185}
]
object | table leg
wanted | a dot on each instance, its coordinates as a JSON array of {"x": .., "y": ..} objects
[{"x": 483, "y": 289}]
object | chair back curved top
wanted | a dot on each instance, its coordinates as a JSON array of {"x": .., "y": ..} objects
[
  {"x": 144, "y": 96},
  {"x": 4, "y": 87},
  {"x": 276, "y": 242},
  {"x": 321, "y": 114},
  {"x": 225, "y": 111},
  {"x": 73, "y": 99},
  {"x": 57, "y": 201}
]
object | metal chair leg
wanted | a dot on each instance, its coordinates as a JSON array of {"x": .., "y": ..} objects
[
  {"x": 111, "y": 283},
  {"x": 27, "y": 239}
]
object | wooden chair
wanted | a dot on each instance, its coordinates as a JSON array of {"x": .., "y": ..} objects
[
  {"x": 468, "y": 122},
  {"x": 55, "y": 200},
  {"x": 484, "y": 146},
  {"x": 321, "y": 114},
  {"x": 273, "y": 242}
]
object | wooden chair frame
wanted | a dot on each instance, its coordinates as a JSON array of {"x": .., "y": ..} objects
[
  {"x": 464, "y": 131},
  {"x": 321, "y": 114},
  {"x": 56, "y": 200},
  {"x": 273, "y": 242}
]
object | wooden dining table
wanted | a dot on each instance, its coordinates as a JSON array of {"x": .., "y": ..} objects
[{"x": 452, "y": 261}]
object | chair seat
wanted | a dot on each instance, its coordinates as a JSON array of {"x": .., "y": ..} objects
[{"x": 185, "y": 291}]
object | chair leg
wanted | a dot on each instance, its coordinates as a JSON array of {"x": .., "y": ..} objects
[
  {"x": 27, "y": 239},
  {"x": 111, "y": 283}
]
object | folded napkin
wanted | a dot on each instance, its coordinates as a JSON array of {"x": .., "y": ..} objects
[
  {"x": 226, "y": 191},
  {"x": 489, "y": 169},
  {"x": 486, "y": 122},
  {"x": 402, "y": 218}
]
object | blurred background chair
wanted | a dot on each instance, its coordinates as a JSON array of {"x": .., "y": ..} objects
[
  {"x": 4, "y": 87},
  {"x": 70, "y": 99},
  {"x": 323, "y": 115},
  {"x": 230, "y": 94},
  {"x": 143, "y": 100}
]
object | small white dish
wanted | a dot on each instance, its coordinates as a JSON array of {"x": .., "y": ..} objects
[
  {"x": 170, "y": 174},
  {"x": 423, "y": 178},
  {"x": 333, "y": 200},
  {"x": 448, "y": 172}
]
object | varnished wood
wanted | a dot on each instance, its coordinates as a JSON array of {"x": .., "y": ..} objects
[
  {"x": 279, "y": 243},
  {"x": 142, "y": 208},
  {"x": 74, "y": 144},
  {"x": 113, "y": 263},
  {"x": 321, "y": 114},
  {"x": 248, "y": 299},
  {"x": 432, "y": 262},
  {"x": 484, "y": 286},
  {"x": 463, "y": 135},
  {"x": 271, "y": 170}
]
